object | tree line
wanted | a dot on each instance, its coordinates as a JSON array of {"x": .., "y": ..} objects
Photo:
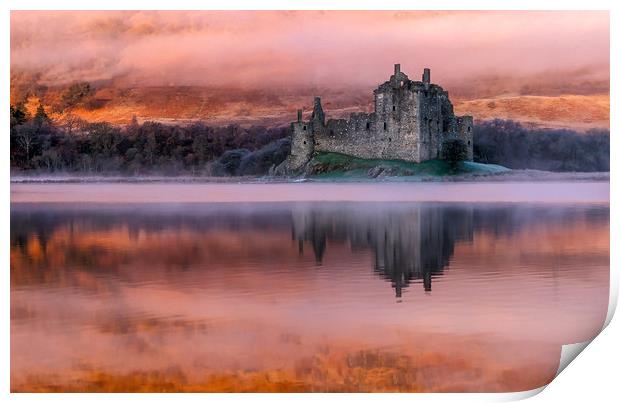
[
  {"x": 74, "y": 146},
  {"x": 508, "y": 143}
]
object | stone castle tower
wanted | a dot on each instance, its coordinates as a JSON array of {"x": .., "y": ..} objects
[{"x": 410, "y": 122}]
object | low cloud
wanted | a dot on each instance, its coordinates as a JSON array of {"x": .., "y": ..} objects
[{"x": 471, "y": 53}]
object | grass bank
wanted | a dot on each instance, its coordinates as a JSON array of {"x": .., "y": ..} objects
[{"x": 341, "y": 166}]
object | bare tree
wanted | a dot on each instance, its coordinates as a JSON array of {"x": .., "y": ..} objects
[{"x": 26, "y": 139}]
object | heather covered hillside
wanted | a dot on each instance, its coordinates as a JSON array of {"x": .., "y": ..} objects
[{"x": 106, "y": 102}]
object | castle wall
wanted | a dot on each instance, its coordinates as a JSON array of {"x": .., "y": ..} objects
[
  {"x": 345, "y": 136},
  {"x": 364, "y": 136}
]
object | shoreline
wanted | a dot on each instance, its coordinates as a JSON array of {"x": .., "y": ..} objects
[{"x": 510, "y": 176}]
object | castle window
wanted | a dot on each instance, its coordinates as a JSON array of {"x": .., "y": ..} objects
[
  {"x": 367, "y": 125},
  {"x": 394, "y": 108},
  {"x": 468, "y": 142},
  {"x": 304, "y": 127},
  {"x": 384, "y": 125},
  {"x": 304, "y": 141},
  {"x": 468, "y": 129}
]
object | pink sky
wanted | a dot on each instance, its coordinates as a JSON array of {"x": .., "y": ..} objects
[{"x": 343, "y": 49}]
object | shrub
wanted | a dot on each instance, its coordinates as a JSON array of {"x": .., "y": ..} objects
[{"x": 454, "y": 151}]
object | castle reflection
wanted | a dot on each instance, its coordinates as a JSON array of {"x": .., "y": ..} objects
[{"x": 409, "y": 243}]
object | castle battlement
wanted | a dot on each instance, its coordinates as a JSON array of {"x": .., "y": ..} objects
[{"x": 410, "y": 122}]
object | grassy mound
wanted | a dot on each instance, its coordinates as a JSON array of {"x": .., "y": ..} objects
[{"x": 335, "y": 166}]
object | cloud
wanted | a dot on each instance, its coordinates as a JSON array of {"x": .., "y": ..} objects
[{"x": 296, "y": 49}]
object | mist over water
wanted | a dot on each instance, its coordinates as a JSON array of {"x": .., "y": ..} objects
[
  {"x": 302, "y": 296},
  {"x": 567, "y": 191}
]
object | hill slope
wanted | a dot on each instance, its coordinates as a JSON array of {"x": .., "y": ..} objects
[{"x": 221, "y": 106}]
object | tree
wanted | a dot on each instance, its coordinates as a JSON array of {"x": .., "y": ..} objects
[
  {"x": 453, "y": 152},
  {"x": 260, "y": 161},
  {"x": 104, "y": 138},
  {"x": 72, "y": 123},
  {"x": 40, "y": 117},
  {"x": 150, "y": 149},
  {"x": 201, "y": 148},
  {"x": 18, "y": 115},
  {"x": 25, "y": 139},
  {"x": 76, "y": 94},
  {"x": 228, "y": 164}
]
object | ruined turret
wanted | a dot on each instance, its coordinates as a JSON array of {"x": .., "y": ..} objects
[
  {"x": 426, "y": 78},
  {"x": 398, "y": 79},
  {"x": 318, "y": 116},
  {"x": 302, "y": 141}
]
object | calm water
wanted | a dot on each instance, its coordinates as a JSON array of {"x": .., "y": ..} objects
[{"x": 299, "y": 296}]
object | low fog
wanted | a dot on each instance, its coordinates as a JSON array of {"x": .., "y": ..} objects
[{"x": 559, "y": 52}]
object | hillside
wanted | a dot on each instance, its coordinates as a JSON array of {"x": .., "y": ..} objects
[
  {"x": 222, "y": 106},
  {"x": 577, "y": 112}
]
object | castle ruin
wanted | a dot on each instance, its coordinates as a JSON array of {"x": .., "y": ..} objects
[{"x": 411, "y": 121}]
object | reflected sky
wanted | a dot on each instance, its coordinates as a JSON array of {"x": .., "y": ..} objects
[{"x": 330, "y": 296}]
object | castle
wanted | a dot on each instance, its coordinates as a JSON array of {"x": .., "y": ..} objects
[{"x": 410, "y": 122}]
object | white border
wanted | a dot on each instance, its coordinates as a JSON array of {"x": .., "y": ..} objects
[
  {"x": 585, "y": 381},
  {"x": 314, "y": 5}
]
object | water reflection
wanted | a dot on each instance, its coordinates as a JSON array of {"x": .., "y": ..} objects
[
  {"x": 408, "y": 242},
  {"x": 301, "y": 296}
]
